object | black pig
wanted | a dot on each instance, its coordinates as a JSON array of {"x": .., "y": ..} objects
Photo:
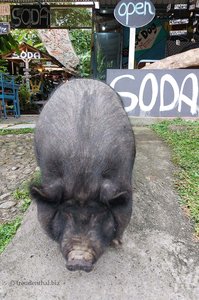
[{"x": 85, "y": 149}]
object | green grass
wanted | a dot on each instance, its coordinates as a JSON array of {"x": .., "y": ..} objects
[
  {"x": 16, "y": 131},
  {"x": 183, "y": 137},
  {"x": 8, "y": 230},
  {"x": 22, "y": 195}
]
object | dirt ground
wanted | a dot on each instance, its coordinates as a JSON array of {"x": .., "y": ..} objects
[{"x": 17, "y": 164}]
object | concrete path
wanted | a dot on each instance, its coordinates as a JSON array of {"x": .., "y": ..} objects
[
  {"x": 25, "y": 121},
  {"x": 158, "y": 259}
]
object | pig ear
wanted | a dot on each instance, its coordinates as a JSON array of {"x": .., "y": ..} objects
[
  {"x": 118, "y": 199},
  {"x": 49, "y": 194},
  {"x": 38, "y": 193}
]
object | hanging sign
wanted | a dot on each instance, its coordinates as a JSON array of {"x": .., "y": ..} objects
[
  {"x": 4, "y": 9},
  {"x": 30, "y": 16},
  {"x": 178, "y": 21},
  {"x": 180, "y": 6},
  {"x": 4, "y": 28},
  {"x": 177, "y": 32},
  {"x": 134, "y": 13},
  {"x": 146, "y": 36}
]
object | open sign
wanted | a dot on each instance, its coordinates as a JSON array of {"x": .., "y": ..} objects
[{"x": 134, "y": 13}]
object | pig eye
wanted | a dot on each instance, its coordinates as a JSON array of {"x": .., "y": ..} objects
[{"x": 119, "y": 199}]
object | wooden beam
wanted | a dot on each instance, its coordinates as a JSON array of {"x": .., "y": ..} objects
[{"x": 182, "y": 60}]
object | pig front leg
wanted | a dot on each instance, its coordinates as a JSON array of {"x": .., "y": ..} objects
[{"x": 122, "y": 216}]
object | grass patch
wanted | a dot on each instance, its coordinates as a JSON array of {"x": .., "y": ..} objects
[
  {"x": 8, "y": 230},
  {"x": 22, "y": 195},
  {"x": 16, "y": 131},
  {"x": 183, "y": 137}
]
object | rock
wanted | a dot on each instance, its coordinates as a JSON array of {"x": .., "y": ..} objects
[
  {"x": 27, "y": 171},
  {"x": 7, "y": 204},
  {"x": 14, "y": 168},
  {"x": 4, "y": 196}
]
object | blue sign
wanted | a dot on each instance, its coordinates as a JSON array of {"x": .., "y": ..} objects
[
  {"x": 4, "y": 28},
  {"x": 133, "y": 13}
]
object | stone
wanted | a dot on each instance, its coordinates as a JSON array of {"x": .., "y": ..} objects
[
  {"x": 14, "y": 168},
  {"x": 4, "y": 196},
  {"x": 7, "y": 204}
]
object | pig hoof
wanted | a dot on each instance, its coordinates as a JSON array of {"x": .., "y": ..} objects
[{"x": 116, "y": 242}]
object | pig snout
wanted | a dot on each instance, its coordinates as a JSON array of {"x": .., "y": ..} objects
[{"x": 80, "y": 259}]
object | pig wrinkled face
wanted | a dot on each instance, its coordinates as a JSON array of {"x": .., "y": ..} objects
[
  {"x": 83, "y": 230},
  {"x": 88, "y": 230}
]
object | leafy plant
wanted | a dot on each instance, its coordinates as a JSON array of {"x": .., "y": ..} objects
[
  {"x": 7, "y": 43},
  {"x": 28, "y": 36},
  {"x": 3, "y": 66},
  {"x": 81, "y": 40},
  {"x": 71, "y": 17},
  {"x": 24, "y": 97}
]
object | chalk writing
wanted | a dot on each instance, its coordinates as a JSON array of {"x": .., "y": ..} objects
[
  {"x": 31, "y": 16},
  {"x": 133, "y": 13},
  {"x": 157, "y": 92}
]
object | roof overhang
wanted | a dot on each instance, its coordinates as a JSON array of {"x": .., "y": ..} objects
[
  {"x": 25, "y": 47},
  {"x": 102, "y": 2}
]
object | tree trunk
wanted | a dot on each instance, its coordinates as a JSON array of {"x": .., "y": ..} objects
[{"x": 188, "y": 59}]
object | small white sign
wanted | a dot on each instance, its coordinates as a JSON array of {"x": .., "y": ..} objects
[
  {"x": 180, "y": 6},
  {"x": 178, "y": 32},
  {"x": 178, "y": 21}
]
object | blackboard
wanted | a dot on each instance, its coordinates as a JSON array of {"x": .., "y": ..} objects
[
  {"x": 157, "y": 93},
  {"x": 134, "y": 13},
  {"x": 30, "y": 16}
]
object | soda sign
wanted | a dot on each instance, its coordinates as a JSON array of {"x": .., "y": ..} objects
[
  {"x": 134, "y": 13},
  {"x": 157, "y": 93},
  {"x": 27, "y": 55},
  {"x": 30, "y": 16}
]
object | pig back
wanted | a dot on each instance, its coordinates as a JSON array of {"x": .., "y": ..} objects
[{"x": 83, "y": 134}]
